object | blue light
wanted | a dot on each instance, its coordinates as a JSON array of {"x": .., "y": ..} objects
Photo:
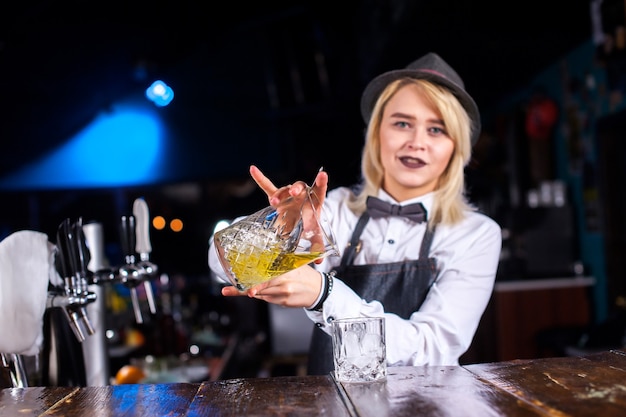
[
  {"x": 160, "y": 93},
  {"x": 122, "y": 147}
]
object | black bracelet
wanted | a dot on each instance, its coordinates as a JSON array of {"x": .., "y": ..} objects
[{"x": 327, "y": 289}]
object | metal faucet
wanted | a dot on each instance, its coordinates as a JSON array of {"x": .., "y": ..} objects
[
  {"x": 17, "y": 370},
  {"x": 133, "y": 273},
  {"x": 74, "y": 296},
  {"x": 135, "y": 239},
  {"x": 80, "y": 261},
  {"x": 143, "y": 247}
]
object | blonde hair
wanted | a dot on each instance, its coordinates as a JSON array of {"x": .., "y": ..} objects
[{"x": 450, "y": 200}]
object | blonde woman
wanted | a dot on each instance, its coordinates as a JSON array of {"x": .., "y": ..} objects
[{"x": 414, "y": 249}]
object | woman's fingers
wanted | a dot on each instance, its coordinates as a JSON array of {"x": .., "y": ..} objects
[
  {"x": 262, "y": 181},
  {"x": 320, "y": 186},
  {"x": 232, "y": 291},
  {"x": 274, "y": 195}
]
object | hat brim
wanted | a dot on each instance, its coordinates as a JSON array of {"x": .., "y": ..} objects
[{"x": 378, "y": 84}]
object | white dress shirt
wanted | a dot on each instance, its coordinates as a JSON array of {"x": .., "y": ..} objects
[{"x": 467, "y": 257}]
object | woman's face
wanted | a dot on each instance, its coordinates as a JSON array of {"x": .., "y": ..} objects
[{"x": 414, "y": 145}]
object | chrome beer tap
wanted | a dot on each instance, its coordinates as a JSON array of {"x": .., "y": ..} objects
[
  {"x": 135, "y": 273},
  {"x": 75, "y": 295},
  {"x": 129, "y": 273},
  {"x": 81, "y": 263},
  {"x": 143, "y": 247}
]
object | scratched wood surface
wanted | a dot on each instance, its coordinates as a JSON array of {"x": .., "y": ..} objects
[
  {"x": 593, "y": 385},
  {"x": 432, "y": 391},
  {"x": 279, "y": 396},
  {"x": 31, "y": 401}
]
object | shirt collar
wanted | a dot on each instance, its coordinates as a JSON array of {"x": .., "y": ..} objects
[{"x": 426, "y": 199}]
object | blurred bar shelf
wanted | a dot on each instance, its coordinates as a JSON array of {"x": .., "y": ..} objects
[
  {"x": 522, "y": 314},
  {"x": 544, "y": 283}
]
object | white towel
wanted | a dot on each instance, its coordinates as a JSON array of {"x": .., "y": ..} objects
[{"x": 26, "y": 267}]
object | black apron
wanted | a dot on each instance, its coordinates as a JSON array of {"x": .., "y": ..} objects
[{"x": 389, "y": 283}]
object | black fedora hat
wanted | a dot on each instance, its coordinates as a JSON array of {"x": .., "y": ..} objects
[{"x": 432, "y": 68}]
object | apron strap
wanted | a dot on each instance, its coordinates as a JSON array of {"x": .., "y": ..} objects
[
  {"x": 355, "y": 246},
  {"x": 427, "y": 241}
]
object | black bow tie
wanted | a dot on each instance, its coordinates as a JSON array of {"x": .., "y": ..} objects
[{"x": 379, "y": 208}]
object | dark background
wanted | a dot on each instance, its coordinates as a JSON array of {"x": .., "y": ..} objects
[
  {"x": 272, "y": 83},
  {"x": 63, "y": 61}
]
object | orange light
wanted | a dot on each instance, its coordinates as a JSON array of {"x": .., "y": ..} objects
[
  {"x": 158, "y": 222},
  {"x": 176, "y": 225}
]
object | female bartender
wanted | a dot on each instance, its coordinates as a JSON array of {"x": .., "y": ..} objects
[{"x": 414, "y": 249}]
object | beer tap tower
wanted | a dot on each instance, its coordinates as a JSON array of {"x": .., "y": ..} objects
[{"x": 82, "y": 264}]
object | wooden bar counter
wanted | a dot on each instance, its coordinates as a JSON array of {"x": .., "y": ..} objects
[{"x": 593, "y": 385}]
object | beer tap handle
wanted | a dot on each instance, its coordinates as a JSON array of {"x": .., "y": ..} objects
[
  {"x": 82, "y": 253},
  {"x": 141, "y": 213},
  {"x": 143, "y": 247},
  {"x": 62, "y": 258},
  {"x": 127, "y": 235},
  {"x": 131, "y": 236},
  {"x": 71, "y": 249},
  {"x": 124, "y": 236}
]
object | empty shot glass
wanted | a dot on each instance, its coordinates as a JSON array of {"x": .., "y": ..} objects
[{"x": 359, "y": 350}]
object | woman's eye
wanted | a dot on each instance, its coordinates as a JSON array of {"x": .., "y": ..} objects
[
  {"x": 437, "y": 130},
  {"x": 402, "y": 124}
]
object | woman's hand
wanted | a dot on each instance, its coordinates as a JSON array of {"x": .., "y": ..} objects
[
  {"x": 291, "y": 205},
  {"x": 276, "y": 195},
  {"x": 300, "y": 287},
  {"x": 297, "y": 288}
]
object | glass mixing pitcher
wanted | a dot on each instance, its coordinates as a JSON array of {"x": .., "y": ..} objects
[{"x": 275, "y": 240}]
